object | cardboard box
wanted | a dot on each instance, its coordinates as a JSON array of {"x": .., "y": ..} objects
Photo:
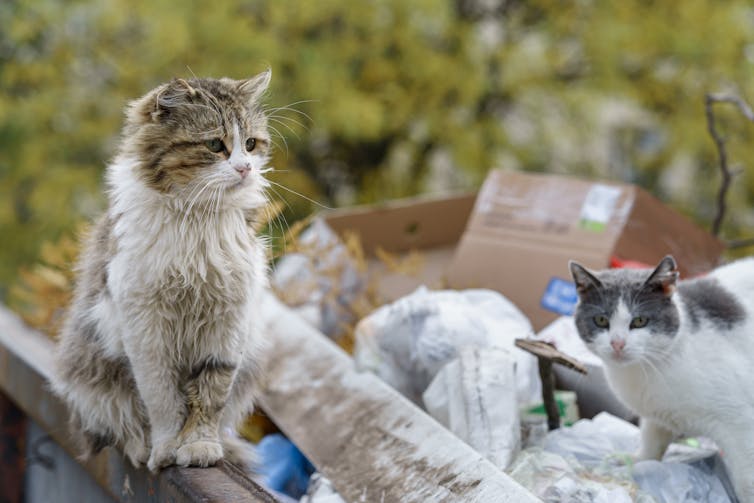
[
  {"x": 431, "y": 226},
  {"x": 524, "y": 229}
]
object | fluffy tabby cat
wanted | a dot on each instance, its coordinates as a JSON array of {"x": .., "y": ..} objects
[
  {"x": 157, "y": 356},
  {"x": 679, "y": 353}
]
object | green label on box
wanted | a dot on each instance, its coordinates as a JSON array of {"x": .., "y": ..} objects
[
  {"x": 591, "y": 225},
  {"x": 598, "y": 207}
]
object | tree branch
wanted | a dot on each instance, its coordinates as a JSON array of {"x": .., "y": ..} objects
[{"x": 722, "y": 154}]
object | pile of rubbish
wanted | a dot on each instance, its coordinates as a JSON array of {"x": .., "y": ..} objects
[{"x": 453, "y": 353}]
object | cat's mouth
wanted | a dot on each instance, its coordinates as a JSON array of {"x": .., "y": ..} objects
[
  {"x": 240, "y": 184},
  {"x": 620, "y": 358}
]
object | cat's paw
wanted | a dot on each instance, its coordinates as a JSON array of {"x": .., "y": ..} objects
[
  {"x": 163, "y": 454},
  {"x": 240, "y": 453},
  {"x": 136, "y": 452},
  {"x": 200, "y": 453}
]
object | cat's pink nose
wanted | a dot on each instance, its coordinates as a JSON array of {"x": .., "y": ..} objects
[
  {"x": 618, "y": 344},
  {"x": 243, "y": 170}
]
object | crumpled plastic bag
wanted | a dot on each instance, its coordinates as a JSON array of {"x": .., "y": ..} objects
[
  {"x": 406, "y": 343},
  {"x": 474, "y": 396},
  {"x": 321, "y": 280},
  {"x": 553, "y": 478},
  {"x": 593, "y": 441},
  {"x": 671, "y": 482},
  {"x": 602, "y": 450}
]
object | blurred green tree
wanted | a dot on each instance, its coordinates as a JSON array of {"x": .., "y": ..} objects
[{"x": 404, "y": 97}]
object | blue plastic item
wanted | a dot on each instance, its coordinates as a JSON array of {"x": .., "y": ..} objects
[{"x": 284, "y": 468}]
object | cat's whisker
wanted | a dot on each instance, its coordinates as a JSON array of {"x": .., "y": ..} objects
[
  {"x": 661, "y": 377},
  {"x": 192, "y": 197},
  {"x": 290, "y": 106},
  {"x": 281, "y": 118},
  {"x": 192, "y": 201},
  {"x": 277, "y": 218},
  {"x": 300, "y": 195},
  {"x": 279, "y": 135},
  {"x": 293, "y": 131}
]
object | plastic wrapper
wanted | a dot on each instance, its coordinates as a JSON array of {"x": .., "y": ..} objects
[
  {"x": 474, "y": 396},
  {"x": 553, "y": 478},
  {"x": 669, "y": 482},
  {"x": 407, "y": 342},
  {"x": 601, "y": 451},
  {"x": 320, "y": 279}
]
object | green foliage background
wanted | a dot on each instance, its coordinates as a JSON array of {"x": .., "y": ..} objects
[{"x": 404, "y": 96}]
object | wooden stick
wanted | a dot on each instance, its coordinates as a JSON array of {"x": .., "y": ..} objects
[{"x": 547, "y": 355}]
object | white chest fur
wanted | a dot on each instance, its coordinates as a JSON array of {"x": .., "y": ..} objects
[{"x": 194, "y": 275}]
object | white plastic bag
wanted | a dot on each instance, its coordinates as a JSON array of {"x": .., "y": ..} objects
[
  {"x": 593, "y": 441},
  {"x": 407, "y": 342},
  {"x": 474, "y": 396},
  {"x": 671, "y": 482}
]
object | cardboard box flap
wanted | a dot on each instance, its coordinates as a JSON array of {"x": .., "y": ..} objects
[
  {"x": 404, "y": 225},
  {"x": 432, "y": 226},
  {"x": 551, "y": 210}
]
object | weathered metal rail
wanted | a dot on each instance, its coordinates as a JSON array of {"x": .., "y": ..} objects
[{"x": 371, "y": 442}]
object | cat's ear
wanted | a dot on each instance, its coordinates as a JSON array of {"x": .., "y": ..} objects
[
  {"x": 583, "y": 278},
  {"x": 153, "y": 105},
  {"x": 254, "y": 87},
  {"x": 175, "y": 93},
  {"x": 664, "y": 276}
]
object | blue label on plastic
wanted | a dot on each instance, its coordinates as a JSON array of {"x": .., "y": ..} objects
[{"x": 560, "y": 296}]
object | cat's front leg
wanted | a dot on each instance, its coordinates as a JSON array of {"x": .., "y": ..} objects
[
  {"x": 157, "y": 382},
  {"x": 654, "y": 439},
  {"x": 206, "y": 391}
]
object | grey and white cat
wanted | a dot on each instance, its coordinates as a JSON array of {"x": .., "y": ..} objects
[
  {"x": 158, "y": 354},
  {"x": 679, "y": 353}
]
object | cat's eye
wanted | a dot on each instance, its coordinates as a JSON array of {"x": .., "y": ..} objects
[
  {"x": 250, "y": 144},
  {"x": 639, "y": 322},
  {"x": 215, "y": 145},
  {"x": 601, "y": 321}
]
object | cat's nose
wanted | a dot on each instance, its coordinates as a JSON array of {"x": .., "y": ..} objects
[
  {"x": 618, "y": 344},
  {"x": 243, "y": 170}
]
